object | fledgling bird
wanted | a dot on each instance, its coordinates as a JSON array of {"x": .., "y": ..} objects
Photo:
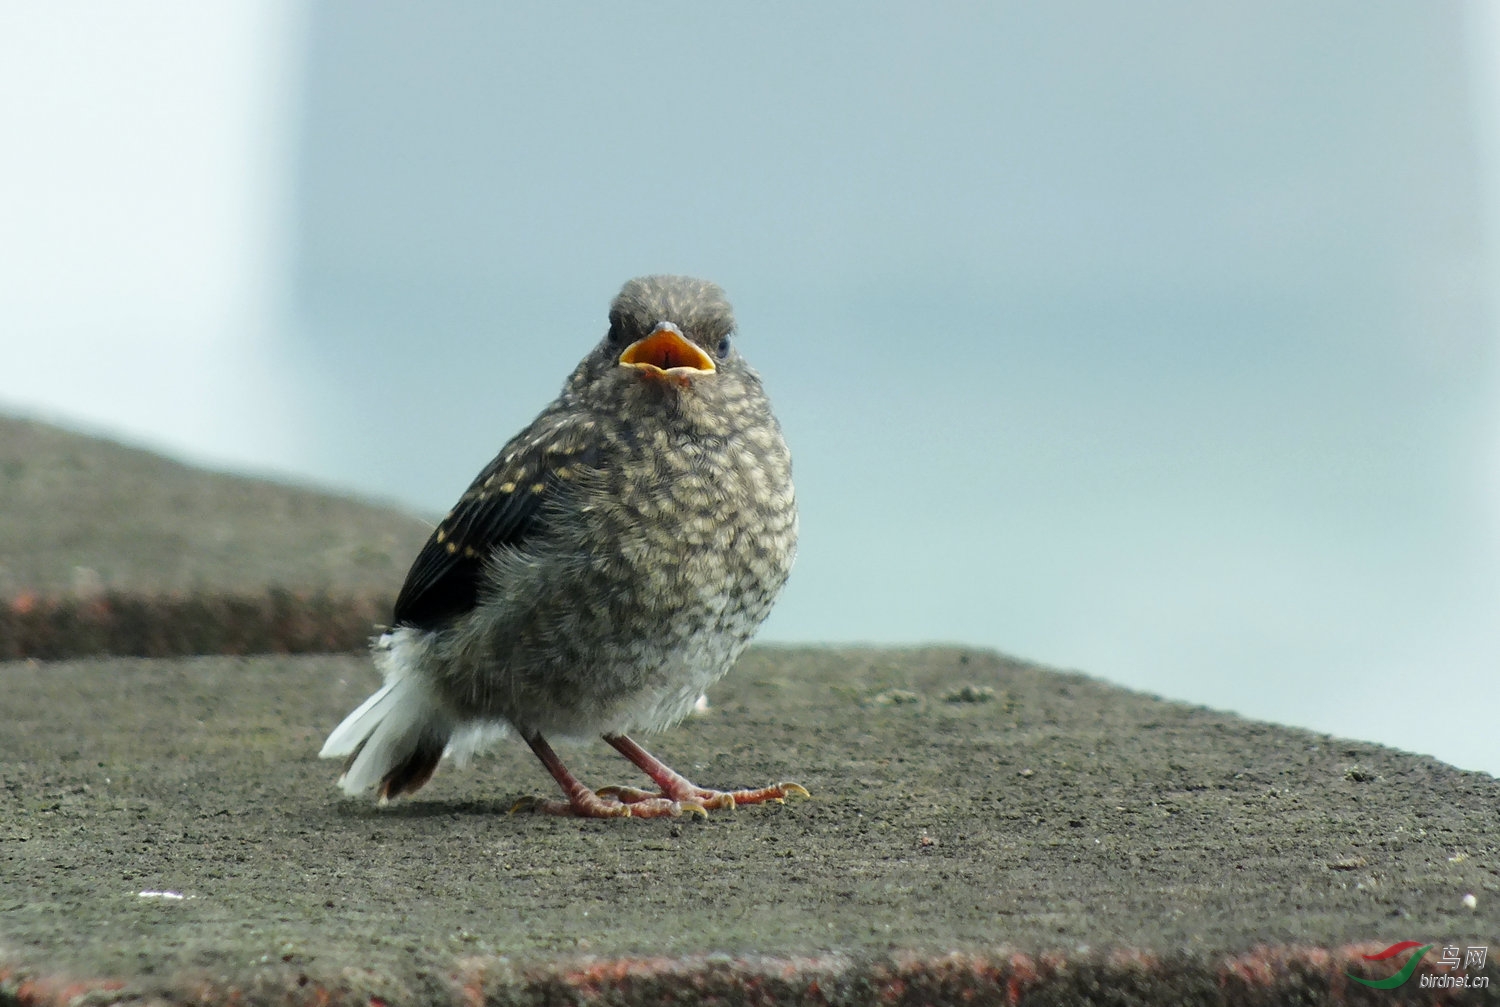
[{"x": 601, "y": 573}]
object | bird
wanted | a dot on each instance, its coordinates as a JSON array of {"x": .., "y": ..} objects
[{"x": 608, "y": 566}]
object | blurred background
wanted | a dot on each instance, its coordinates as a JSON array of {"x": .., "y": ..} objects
[{"x": 1154, "y": 340}]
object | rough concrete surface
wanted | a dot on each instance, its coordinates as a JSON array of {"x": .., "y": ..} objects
[
  {"x": 108, "y": 549},
  {"x": 961, "y": 802},
  {"x": 980, "y": 830},
  {"x": 82, "y": 515}
]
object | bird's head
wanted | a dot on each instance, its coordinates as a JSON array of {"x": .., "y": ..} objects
[{"x": 670, "y": 340}]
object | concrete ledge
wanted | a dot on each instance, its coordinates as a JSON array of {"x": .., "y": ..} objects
[
  {"x": 276, "y": 621},
  {"x": 980, "y": 831},
  {"x": 82, "y": 517},
  {"x": 1260, "y": 976}
]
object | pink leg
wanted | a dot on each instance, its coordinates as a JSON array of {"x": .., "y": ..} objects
[
  {"x": 583, "y": 802},
  {"x": 675, "y": 787}
]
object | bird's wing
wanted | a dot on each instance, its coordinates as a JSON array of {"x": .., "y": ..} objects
[{"x": 501, "y": 509}]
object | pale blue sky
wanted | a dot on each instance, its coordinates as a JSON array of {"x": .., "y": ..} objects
[{"x": 1153, "y": 340}]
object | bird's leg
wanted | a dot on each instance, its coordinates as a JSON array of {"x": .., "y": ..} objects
[
  {"x": 584, "y": 803},
  {"x": 674, "y": 786}
]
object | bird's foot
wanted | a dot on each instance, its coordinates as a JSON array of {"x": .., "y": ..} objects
[
  {"x": 602, "y": 805},
  {"x": 691, "y": 796},
  {"x": 584, "y": 803},
  {"x": 777, "y": 793},
  {"x": 676, "y": 787},
  {"x": 677, "y": 796}
]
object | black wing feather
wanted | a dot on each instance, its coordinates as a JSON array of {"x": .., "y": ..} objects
[{"x": 445, "y": 579}]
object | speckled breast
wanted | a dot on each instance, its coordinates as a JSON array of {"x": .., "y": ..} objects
[
  {"x": 652, "y": 584},
  {"x": 701, "y": 547}
]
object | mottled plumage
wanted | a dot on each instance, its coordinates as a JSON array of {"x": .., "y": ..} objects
[{"x": 607, "y": 567}]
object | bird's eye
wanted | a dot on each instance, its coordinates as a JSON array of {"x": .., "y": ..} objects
[{"x": 723, "y": 348}]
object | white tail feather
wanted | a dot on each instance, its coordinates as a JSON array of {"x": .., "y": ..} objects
[
  {"x": 356, "y": 727},
  {"x": 391, "y": 723}
]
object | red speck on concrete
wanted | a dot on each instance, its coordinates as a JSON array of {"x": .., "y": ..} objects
[
  {"x": 1022, "y": 974},
  {"x": 54, "y": 991}
]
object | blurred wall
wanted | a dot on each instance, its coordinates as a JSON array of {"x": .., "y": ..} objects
[
  {"x": 1151, "y": 339},
  {"x": 145, "y": 179}
]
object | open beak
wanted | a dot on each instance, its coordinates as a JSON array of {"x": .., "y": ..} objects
[{"x": 667, "y": 353}]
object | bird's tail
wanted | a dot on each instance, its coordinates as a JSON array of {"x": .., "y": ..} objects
[{"x": 395, "y": 739}]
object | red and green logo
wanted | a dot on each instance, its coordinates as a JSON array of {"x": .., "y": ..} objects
[{"x": 1406, "y": 970}]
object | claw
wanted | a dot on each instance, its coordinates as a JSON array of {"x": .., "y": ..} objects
[
  {"x": 721, "y": 801},
  {"x": 693, "y": 807},
  {"x": 793, "y": 789}
]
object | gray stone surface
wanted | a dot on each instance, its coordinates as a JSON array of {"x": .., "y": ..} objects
[
  {"x": 80, "y": 515},
  {"x": 961, "y": 802}
]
